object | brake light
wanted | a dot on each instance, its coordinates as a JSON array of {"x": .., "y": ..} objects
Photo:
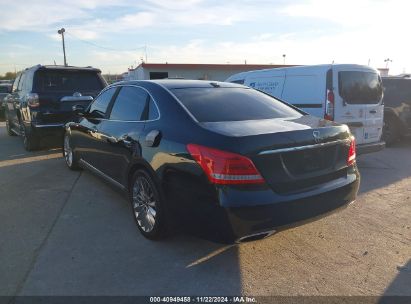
[
  {"x": 351, "y": 153},
  {"x": 329, "y": 105},
  {"x": 225, "y": 168},
  {"x": 32, "y": 100}
]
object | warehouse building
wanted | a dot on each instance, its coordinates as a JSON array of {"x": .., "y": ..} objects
[{"x": 218, "y": 72}]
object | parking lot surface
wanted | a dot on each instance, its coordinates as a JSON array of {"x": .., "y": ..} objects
[{"x": 69, "y": 233}]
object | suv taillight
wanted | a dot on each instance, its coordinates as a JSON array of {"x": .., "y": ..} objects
[
  {"x": 225, "y": 168},
  {"x": 351, "y": 153},
  {"x": 329, "y": 105},
  {"x": 32, "y": 100}
]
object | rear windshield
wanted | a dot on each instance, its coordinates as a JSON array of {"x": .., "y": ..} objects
[
  {"x": 232, "y": 104},
  {"x": 360, "y": 87},
  {"x": 65, "y": 80}
]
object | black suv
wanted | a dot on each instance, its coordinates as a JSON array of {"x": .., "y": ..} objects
[
  {"x": 397, "y": 108},
  {"x": 42, "y": 98}
]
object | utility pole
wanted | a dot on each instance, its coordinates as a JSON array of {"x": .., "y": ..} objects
[
  {"x": 387, "y": 61},
  {"x": 61, "y": 32}
]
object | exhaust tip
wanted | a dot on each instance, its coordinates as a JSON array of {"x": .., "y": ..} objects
[{"x": 255, "y": 236}]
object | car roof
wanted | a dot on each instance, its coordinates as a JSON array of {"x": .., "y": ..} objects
[
  {"x": 62, "y": 67},
  {"x": 182, "y": 83}
]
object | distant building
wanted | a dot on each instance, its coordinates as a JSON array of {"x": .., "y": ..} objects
[
  {"x": 383, "y": 71},
  {"x": 218, "y": 72}
]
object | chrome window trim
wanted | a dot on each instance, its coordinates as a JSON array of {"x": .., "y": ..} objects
[
  {"x": 49, "y": 125},
  {"x": 136, "y": 86},
  {"x": 306, "y": 147}
]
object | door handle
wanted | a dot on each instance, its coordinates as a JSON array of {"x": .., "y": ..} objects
[
  {"x": 153, "y": 138},
  {"x": 373, "y": 112},
  {"x": 125, "y": 139}
]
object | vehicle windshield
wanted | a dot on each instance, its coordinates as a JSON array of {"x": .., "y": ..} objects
[
  {"x": 66, "y": 80},
  {"x": 357, "y": 87},
  {"x": 232, "y": 104}
]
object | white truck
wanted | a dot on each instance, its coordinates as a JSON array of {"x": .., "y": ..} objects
[{"x": 346, "y": 93}]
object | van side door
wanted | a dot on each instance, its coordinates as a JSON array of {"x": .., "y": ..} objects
[{"x": 270, "y": 82}]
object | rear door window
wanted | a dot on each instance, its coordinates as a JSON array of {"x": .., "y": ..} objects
[
  {"x": 130, "y": 104},
  {"x": 99, "y": 106},
  {"x": 357, "y": 87},
  {"x": 67, "y": 80},
  {"x": 232, "y": 104}
]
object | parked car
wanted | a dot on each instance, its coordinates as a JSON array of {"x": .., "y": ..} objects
[
  {"x": 397, "y": 108},
  {"x": 345, "y": 93},
  {"x": 226, "y": 160},
  {"x": 5, "y": 89},
  {"x": 42, "y": 98}
]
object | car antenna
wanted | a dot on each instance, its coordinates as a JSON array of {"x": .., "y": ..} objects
[{"x": 216, "y": 85}]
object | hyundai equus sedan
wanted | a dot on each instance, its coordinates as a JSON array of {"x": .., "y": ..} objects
[{"x": 225, "y": 160}]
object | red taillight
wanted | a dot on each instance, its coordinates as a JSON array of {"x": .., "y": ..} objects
[
  {"x": 225, "y": 168},
  {"x": 32, "y": 100},
  {"x": 351, "y": 153},
  {"x": 329, "y": 106}
]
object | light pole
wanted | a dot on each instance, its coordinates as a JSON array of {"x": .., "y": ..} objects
[
  {"x": 388, "y": 60},
  {"x": 61, "y": 32}
]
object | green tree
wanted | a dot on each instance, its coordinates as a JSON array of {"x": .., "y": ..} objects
[{"x": 8, "y": 76}]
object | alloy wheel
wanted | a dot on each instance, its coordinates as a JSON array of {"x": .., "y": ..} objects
[
  {"x": 144, "y": 204},
  {"x": 68, "y": 152}
]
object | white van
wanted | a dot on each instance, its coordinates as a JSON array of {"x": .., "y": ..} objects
[{"x": 346, "y": 93}]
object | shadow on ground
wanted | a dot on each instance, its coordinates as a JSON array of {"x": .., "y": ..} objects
[{"x": 386, "y": 167}]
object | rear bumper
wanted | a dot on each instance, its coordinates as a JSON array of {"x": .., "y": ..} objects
[
  {"x": 370, "y": 148},
  {"x": 228, "y": 224}
]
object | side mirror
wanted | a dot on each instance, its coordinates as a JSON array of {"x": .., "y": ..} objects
[{"x": 78, "y": 110}]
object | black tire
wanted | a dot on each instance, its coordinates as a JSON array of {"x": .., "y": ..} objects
[
  {"x": 8, "y": 128},
  {"x": 145, "y": 196},
  {"x": 391, "y": 130},
  {"x": 70, "y": 156},
  {"x": 30, "y": 142}
]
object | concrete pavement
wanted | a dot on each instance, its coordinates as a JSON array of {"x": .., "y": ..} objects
[{"x": 69, "y": 233}]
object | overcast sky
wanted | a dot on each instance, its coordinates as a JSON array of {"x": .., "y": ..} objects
[{"x": 112, "y": 34}]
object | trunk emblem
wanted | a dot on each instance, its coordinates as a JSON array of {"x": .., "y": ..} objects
[{"x": 316, "y": 135}]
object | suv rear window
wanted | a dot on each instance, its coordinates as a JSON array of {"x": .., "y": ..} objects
[
  {"x": 4, "y": 89},
  {"x": 357, "y": 87},
  {"x": 232, "y": 104},
  {"x": 66, "y": 80}
]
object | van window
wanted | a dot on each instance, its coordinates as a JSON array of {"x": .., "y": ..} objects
[
  {"x": 357, "y": 87},
  {"x": 232, "y": 104},
  {"x": 239, "y": 81}
]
